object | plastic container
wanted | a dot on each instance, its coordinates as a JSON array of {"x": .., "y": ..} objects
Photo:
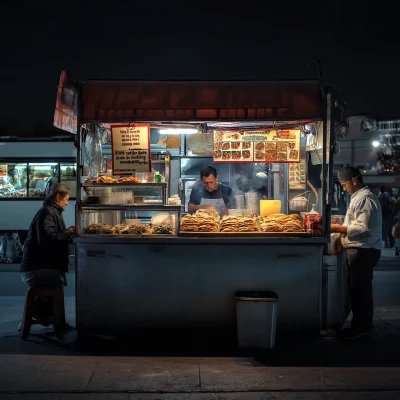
[
  {"x": 268, "y": 207},
  {"x": 337, "y": 219},
  {"x": 313, "y": 222},
  {"x": 299, "y": 203},
  {"x": 256, "y": 314}
]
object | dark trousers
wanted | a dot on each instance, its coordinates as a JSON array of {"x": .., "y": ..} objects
[{"x": 361, "y": 263}]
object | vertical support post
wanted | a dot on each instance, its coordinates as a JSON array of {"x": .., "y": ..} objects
[
  {"x": 331, "y": 115},
  {"x": 324, "y": 164},
  {"x": 78, "y": 145}
]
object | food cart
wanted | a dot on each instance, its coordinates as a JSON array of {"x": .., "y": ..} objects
[{"x": 128, "y": 277}]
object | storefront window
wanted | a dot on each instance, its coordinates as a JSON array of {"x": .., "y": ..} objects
[
  {"x": 41, "y": 177},
  {"x": 68, "y": 176},
  {"x": 13, "y": 180},
  {"x": 35, "y": 179}
]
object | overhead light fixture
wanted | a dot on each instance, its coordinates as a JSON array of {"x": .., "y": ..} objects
[
  {"x": 375, "y": 143},
  {"x": 178, "y": 131}
]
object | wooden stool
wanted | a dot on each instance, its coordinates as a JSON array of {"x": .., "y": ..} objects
[{"x": 58, "y": 320}]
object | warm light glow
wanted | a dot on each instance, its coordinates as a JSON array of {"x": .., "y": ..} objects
[
  {"x": 178, "y": 131},
  {"x": 375, "y": 143}
]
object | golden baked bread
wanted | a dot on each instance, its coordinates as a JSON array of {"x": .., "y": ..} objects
[
  {"x": 173, "y": 142},
  {"x": 281, "y": 223}
]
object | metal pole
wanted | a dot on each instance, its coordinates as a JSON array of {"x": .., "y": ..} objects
[
  {"x": 270, "y": 195},
  {"x": 324, "y": 169},
  {"x": 330, "y": 162},
  {"x": 78, "y": 145}
]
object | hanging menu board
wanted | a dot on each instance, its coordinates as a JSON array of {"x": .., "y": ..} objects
[
  {"x": 130, "y": 146},
  {"x": 265, "y": 146}
]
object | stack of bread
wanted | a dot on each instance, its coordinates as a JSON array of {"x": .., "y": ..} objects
[
  {"x": 238, "y": 224},
  {"x": 281, "y": 223},
  {"x": 200, "y": 221}
]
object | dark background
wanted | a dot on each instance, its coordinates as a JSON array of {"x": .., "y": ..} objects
[{"x": 357, "y": 45}]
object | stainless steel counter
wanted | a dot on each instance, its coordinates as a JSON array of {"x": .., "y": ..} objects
[
  {"x": 164, "y": 239},
  {"x": 124, "y": 283}
]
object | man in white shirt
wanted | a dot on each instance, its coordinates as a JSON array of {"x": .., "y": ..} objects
[{"x": 361, "y": 235}]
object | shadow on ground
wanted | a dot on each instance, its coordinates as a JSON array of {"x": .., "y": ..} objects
[{"x": 291, "y": 350}]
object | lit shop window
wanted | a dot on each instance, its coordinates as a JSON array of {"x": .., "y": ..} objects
[
  {"x": 13, "y": 180},
  {"x": 41, "y": 178}
]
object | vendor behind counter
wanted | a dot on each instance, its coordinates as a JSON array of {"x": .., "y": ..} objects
[{"x": 211, "y": 193}]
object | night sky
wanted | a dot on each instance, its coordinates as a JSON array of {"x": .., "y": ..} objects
[{"x": 358, "y": 48}]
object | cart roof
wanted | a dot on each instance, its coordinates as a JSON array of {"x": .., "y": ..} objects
[{"x": 194, "y": 101}]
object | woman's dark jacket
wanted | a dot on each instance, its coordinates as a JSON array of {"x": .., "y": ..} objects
[{"x": 46, "y": 246}]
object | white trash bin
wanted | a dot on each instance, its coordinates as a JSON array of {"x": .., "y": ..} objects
[{"x": 256, "y": 319}]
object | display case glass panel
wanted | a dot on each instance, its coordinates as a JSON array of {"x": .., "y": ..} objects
[
  {"x": 68, "y": 176},
  {"x": 137, "y": 221},
  {"x": 41, "y": 177},
  {"x": 13, "y": 180}
]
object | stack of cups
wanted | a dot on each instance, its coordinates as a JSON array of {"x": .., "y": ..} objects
[
  {"x": 104, "y": 193},
  {"x": 239, "y": 200},
  {"x": 251, "y": 203}
]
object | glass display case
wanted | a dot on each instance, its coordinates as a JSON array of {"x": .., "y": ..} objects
[{"x": 137, "y": 209}]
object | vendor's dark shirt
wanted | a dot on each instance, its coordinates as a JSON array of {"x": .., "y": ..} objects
[{"x": 199, "y": 192}]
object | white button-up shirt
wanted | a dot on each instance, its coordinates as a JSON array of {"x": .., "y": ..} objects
[{"x": 363, "y": 220}]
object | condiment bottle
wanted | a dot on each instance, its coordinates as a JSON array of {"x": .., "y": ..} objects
[
  {"x": 313, "y": 222},
  {"x": 158, "y": 177}
]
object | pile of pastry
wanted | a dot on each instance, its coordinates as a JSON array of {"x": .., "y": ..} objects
[
  {"x": 162, "y": 230},
  {"x": 281, "y": 223},
  {"x": 109, "y": 179},
  {"x": 238, "y": 224},
  {"x": 122, "y": 229},
  {"x": 98, "y": 229},
  {"x": 200, "y": 221},
  {"x": 139, "y": 229}
]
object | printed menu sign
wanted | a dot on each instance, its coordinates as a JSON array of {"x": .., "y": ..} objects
[
  {"x": 130, "y": 146},
  {"x": 297, "y": 175},
  {"x": 269, "y": 146}
]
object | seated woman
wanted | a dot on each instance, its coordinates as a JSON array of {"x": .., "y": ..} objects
[{"x": 45, "y": 253}]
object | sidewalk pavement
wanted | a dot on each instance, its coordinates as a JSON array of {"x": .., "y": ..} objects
[
  {"x": 298, "y": 368},
  {"x": 180, "y": 368}
]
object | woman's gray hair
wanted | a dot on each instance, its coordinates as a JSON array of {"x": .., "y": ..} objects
[{"x": 60, "y": 189}]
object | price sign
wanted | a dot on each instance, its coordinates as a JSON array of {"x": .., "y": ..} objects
[{"x": 130, "y": 149}]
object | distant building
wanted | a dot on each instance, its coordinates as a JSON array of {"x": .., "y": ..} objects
[{"x": 374, "y": 147}]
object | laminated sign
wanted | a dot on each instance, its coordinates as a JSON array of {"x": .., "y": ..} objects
[
  {"x": 263, "y": 146},
  {"x": 130, "y": 149}
]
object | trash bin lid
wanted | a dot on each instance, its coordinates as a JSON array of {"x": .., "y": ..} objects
[{"x": 256, "y": 296}]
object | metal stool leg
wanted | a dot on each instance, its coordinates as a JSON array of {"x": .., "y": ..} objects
[{"x": 28, "y": 311}]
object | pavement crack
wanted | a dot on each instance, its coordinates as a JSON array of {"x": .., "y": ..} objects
[
  {"x": 91, "y": 375},
  {"x": 388, "y": 323},
  {"x": 41, "y": 367}
]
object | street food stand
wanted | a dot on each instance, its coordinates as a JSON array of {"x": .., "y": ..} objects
[{"x": 132, "y": 274}]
